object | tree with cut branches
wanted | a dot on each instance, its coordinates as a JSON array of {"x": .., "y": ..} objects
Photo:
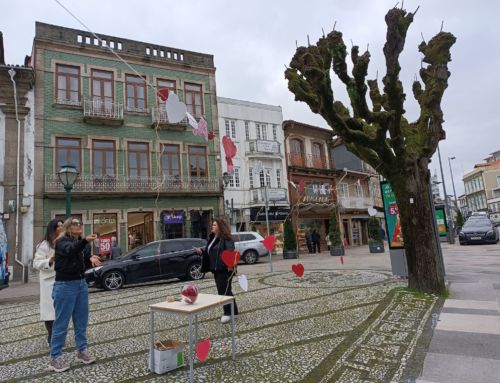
[{"x": 400, "y": 150}]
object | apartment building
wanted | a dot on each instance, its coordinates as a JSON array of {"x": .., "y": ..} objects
[
  {"x": 141, "y": 177},
  {"x": 259, "y": 165},
  {"x": 482, "y": 186},
  {"x": 17, "y": 121}
]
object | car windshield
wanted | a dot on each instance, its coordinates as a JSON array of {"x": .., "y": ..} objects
[{"x": 477, "y": 225}]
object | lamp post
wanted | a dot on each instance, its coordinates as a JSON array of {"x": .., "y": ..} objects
[
  {"x": 450, "y": 234},
  {"x": 226, "y": 178},
  {"x": 68, "y": 175},
  {"x": 452, "y": 181}
]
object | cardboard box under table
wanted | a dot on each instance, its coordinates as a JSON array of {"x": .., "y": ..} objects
[
  {"x": 204, "y": 302},
  {"x": 168, "y": 355}
]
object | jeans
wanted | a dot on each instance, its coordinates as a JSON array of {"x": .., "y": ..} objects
[
  {"x": 223, "y": 281},
  {"x": 71, "y": 300}
]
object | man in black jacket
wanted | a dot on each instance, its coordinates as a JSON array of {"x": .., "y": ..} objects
[{"x": 70, "y": 293}]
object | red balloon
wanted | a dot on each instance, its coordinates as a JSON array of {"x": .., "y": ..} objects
[
  {"x": 190, "y": 293},
  {"x": 230, "y": 258}
]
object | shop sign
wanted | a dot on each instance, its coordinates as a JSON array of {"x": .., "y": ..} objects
[
  {"x": 172, "y": 218},
  {"x": 276, "y": 194},
  {"x": 392, "y": 220},
  {"x": 275, "y": 213},
  {"x": 104, "y": 221},
  {"x": 104, "y": 244},
  {"x": 441, "y": 221},
  {"x": 267, "y": 146}
]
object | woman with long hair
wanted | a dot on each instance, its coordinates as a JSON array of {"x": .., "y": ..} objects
[
  {"x": 220, "y": 239},
  {"x": 71, "y": 294},
  {"x": 44, "y": 261}
]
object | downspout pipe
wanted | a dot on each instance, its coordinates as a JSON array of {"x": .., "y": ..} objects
[{"x": 12, "y": 73}]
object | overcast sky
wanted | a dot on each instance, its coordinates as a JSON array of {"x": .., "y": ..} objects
[{"x": 253, "y": 40}]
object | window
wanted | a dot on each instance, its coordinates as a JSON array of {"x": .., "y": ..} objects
[
  {"x": 498, "y": 180},
  {"x": 165, "y": 84},
  {"x": 193, "y": 99},
  {"x": 358, "y": 190},
  {"x": 275, "y": 133},
  {"x": 68, "y": 152},
  {"x": 268, "y": 177},
  {"x": 236, "y": 177},
  {"x": 317, "y": 156},
  {"x": 105, "y": 224},
  {"x": 136, "y": 94},
  {"x": 250, "y": 177},
  {"x": 102, "y": 91},
  {"x": 247, "y": 132},
  {"x": 258, "y": 131},
  {"x": 344, "y": 190},
  {"x": 198, "y": 161},
  {"x": 230, "y": 128},
  {"x": 170, "y": 164},
  {"x": 263, "y": 128},
  {"x": 103, "y": 158},
  {"x": 68, "y": 85},
  {"x": 261, "y": 178},
  {"x": 138, "y": 159},
  {"x": 278, "y": 178},
  {"x": 296, "y": 152}
]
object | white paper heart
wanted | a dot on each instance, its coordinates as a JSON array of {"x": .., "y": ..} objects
[
  {"x": 176, "y": 110},
  {"x": 242, "y": 279},
  {"x": 372, "y": 212}
]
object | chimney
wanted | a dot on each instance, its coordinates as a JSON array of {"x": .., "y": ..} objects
[{"x": 2, "y": 57}]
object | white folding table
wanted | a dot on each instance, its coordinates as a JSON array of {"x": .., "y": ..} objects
[{"x": 203, "y": 302}]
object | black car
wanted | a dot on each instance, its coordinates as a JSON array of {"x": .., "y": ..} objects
[
  {"x": 478, "y": 231},
  {"x": 165, "y": 259}
]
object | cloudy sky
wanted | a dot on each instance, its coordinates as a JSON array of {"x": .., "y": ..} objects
[{"x": 253, "y": 40}]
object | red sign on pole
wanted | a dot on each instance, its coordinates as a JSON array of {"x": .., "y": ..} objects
[{"x": 104, "y": 245}]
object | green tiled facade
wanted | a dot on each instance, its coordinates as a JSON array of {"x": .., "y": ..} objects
[{"x": 58, "y": 46}]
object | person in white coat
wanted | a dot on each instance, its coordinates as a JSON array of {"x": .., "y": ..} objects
[{"x": 44, "y": 261}]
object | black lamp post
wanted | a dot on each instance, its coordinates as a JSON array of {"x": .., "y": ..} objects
[
  {"x": 68, "y": 175},
  {"x": 226, "y": 178}
]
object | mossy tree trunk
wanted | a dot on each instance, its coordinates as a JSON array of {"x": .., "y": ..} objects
[{"x": 398, "y": 149}]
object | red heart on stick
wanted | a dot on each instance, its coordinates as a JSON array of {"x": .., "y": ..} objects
[
  {"x": 230, "y": 258},
  {"x": 269, "y": 242},
  {"x": 298, "y": 269},
  {"x": 202, "y": 350}
]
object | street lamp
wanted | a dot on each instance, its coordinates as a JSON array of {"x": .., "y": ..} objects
[
  {"x": 452, "y": 181},
  {"x": 68, "y": 175},
  {"x": 451, "y": 230}
]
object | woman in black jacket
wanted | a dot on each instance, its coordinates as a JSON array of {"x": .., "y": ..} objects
[
  {"x": 219, "y": 240},
  {"x": 70, "y": 293}
]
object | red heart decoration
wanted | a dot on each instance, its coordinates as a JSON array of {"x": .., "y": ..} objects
[
  {"x": 230, "y": 258},
  {"x": 211, "y": 135},
  {"x": 298, "y": 269},
  {"x": 163, "y": 94},
  {"x": 202, "y": 350},
  {"x": 302, "y": 186},
  {"x": 269, "y": 242}
]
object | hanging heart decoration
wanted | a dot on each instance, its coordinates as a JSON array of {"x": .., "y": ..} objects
[
  {"x": 230, "y": 258},
  {"x": 298, "y": 269},
  {"x": 269, "y": 242},
  {"x": 230, "y": 150},
  {"x": 211, "y": 135},
  {"x": 176, "y": 110},
  {"x": 202, "y": 350},
  {"x": 163, "y": 94},
  {"x": 243, "y": 281}
]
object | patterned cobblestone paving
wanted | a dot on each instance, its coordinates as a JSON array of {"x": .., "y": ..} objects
[{"x": 329, "y": 326}]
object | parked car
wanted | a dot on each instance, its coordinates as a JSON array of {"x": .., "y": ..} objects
[
  {"x": 478, "y": 231},
  {"x": 249, "y": 244},
  {"x": 165, "y": 259},
  {"x": 4, "y": 259}
]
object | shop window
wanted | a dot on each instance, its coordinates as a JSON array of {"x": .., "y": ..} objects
[{"x": 105, "y": 225}]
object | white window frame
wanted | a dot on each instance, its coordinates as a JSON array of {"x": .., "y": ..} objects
[
  {"x": 262, "y": 178},
  {"x": 250, "y": 177},
  {"x": 268, "y": 176},
  {"x": 247, "y": 130},
  {"x": 233, "y": 129},
  {"x": 358, "y": 190},
  {"x": 236, "y": 177},
  {"x": 344, "y": 190},
  {"x": 264, "y": 131},
  {"x": 278, "y": 178},
  {"x": 258, "y": 131},
  {"x": 275, "y": 132}
]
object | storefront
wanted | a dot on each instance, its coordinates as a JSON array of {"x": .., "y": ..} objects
[
  {"x": 140, "y": 228},
  {"x": 172, "y": 223},
  {"x": 276, "y": 216}
]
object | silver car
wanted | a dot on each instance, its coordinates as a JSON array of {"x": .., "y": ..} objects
[{"x": 249, "y": 244}]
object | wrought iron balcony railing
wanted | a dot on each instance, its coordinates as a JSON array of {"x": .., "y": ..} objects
[
  {"x": 159, "y": 116},
  {"x": 308, "y": 161},
  {"x": 93, "y": 184},
  {"x": 99, "y": 108}
]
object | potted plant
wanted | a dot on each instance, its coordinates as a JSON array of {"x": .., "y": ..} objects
[
  {"x": 375, "y": 242},
  {"x": 289, "y": 241},
  {"x": 336, "y": 246}
]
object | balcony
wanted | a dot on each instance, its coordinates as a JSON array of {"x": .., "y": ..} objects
[
  {"x": 102, "y": 112},
  {"x": 118, "y": 184},
  {"x": 159, "y": 119},
  {"x": 263, "y": 147},
  {"x": 356, "y": 202},
  {"x": 273, "y": 195},
  {"x": 308, "y": 161}
]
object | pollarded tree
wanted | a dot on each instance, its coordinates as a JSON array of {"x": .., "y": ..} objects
[{"x": 398, "y": 149}]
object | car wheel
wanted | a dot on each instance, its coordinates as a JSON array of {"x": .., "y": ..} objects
[
  {"x": 113, "y": 280},
  {"x": 250, "y": 257},
  {"x": 194, "y": 271}
]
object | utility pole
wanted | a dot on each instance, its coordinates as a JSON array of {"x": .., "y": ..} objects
[
  {"x": 451, "y": 230},
  {"x": 453, "y": 181},
  {"x": 267, "y": 225}
]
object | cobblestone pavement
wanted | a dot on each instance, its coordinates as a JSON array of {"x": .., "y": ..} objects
[{"x": 329, "y": 326}]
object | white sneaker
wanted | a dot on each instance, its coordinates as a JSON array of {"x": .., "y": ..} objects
[{"x": 227, "y": 318}]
